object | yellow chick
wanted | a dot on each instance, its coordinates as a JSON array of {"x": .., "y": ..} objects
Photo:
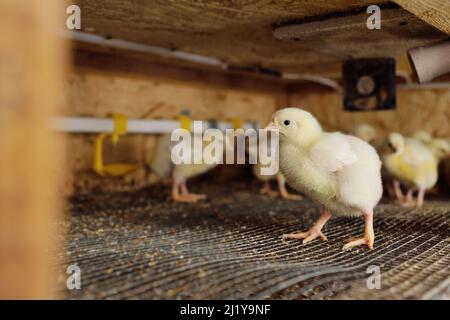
[
  {"x": 340, "y": 172},
  {"x": 411, "y": 163},
  {"x": 439, "y": 147},
  {"x": 391, "y": 144}
]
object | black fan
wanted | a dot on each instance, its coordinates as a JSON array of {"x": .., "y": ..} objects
[{"x": 369, "y": 84}]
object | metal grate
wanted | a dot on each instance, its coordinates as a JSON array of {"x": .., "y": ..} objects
[{"x": 139, "y": 245}]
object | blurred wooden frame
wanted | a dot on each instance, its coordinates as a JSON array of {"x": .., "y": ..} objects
[{"x": 32, "y": 61}]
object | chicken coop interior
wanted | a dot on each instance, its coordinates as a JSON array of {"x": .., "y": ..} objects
[{"x": 91, "y": 90}]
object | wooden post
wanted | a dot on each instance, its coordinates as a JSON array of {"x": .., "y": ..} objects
[{"x": 31, "y": 74}]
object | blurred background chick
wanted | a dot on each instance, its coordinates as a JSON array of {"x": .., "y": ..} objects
[
  {"x": 365, "y": 132},
  {"x": 163, "y": 166},
  {"x": 411, "y": 163}
]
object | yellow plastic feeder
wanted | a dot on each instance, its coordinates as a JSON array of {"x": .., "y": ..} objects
[{"x": 111, "y": 169}]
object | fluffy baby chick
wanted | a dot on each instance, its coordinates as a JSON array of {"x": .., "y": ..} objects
[
  {"x": 412, "y": 164},
  {"x": 393, "y": 143},
  {"x": 365, "y": 132},
  {"x": 439, "y": 147},
  {"x": 163, "y": 166},
  {"x": 340, "y": 172}
]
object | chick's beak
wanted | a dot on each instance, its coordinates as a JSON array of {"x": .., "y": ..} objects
[{"x": 272, "y": 126}]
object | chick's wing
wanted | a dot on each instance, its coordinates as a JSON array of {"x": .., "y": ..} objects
[{"x": 332, "y": 152}]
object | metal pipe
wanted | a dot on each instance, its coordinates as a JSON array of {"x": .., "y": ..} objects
[{"x": 143, "y": 126}]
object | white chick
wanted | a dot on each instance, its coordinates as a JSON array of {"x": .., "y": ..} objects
[
  {"x": 365, "y": 132},
  {"x": 411, "y": 163},
  {"x": 163, "y": 166},
  {"x": 340, "y": 172}
]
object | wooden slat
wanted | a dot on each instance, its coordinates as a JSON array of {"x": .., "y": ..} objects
[
  {"x": 435, "y": 12},
  {"x": 30, "y": 77},
  {"x": 240, "y": 32}
]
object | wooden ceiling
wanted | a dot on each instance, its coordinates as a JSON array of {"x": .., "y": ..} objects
[{"x": 242, "y": 32}]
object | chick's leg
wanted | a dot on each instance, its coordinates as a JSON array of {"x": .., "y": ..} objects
[
  {"x": 176, "y": 192},
  {"x": 266, "y": 189},
  {"x": 398, "y": 191},
  {"x": 178, "y": 183},
  {"x": 389, "y": 187},
  {"x": 369, "y": 235},
  {"x": 409, "y": 199},
  {"x": 314, "y": 232},
  {"x": 410, "y": 195},
  {"x": 283, "y": 192},
  {"x": 420, "y": 197}
]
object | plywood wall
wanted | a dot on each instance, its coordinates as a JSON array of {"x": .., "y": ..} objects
[
  {"x": 97, "y": 87},
  {"x": 423, "y": 109},
  {"x": 101, "y": 83}
]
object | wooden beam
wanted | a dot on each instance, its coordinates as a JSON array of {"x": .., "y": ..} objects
[
  {"x": 31, "y": 63},
  {"x": 121, "y": 62},
  {"x": 434, "y": 12},
  {"x": 241, "y": 30}
]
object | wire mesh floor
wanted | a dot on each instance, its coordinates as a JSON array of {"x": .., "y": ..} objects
[{"x": 141, "y": 246}]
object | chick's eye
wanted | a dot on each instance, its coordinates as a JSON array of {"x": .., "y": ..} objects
[
  {"x": 287, "y": 122},
  {"x": 391, "y": 146}
]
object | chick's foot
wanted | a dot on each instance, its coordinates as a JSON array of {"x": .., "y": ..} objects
[
  {"x": 185, "y": 195},
  {"x": 307, "y": 236},
  {"x": 369, "y": 235},
  {"x": 197, "y": 196},
  {"x": 185, "y": 198},
  {"x": 359, "y": 242},
  {"x": 289, "y": 196},
  {"x": 266, "y": 190},
  {"x": 407, "y": 204},
  {"x": 314, "y": 232}
]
